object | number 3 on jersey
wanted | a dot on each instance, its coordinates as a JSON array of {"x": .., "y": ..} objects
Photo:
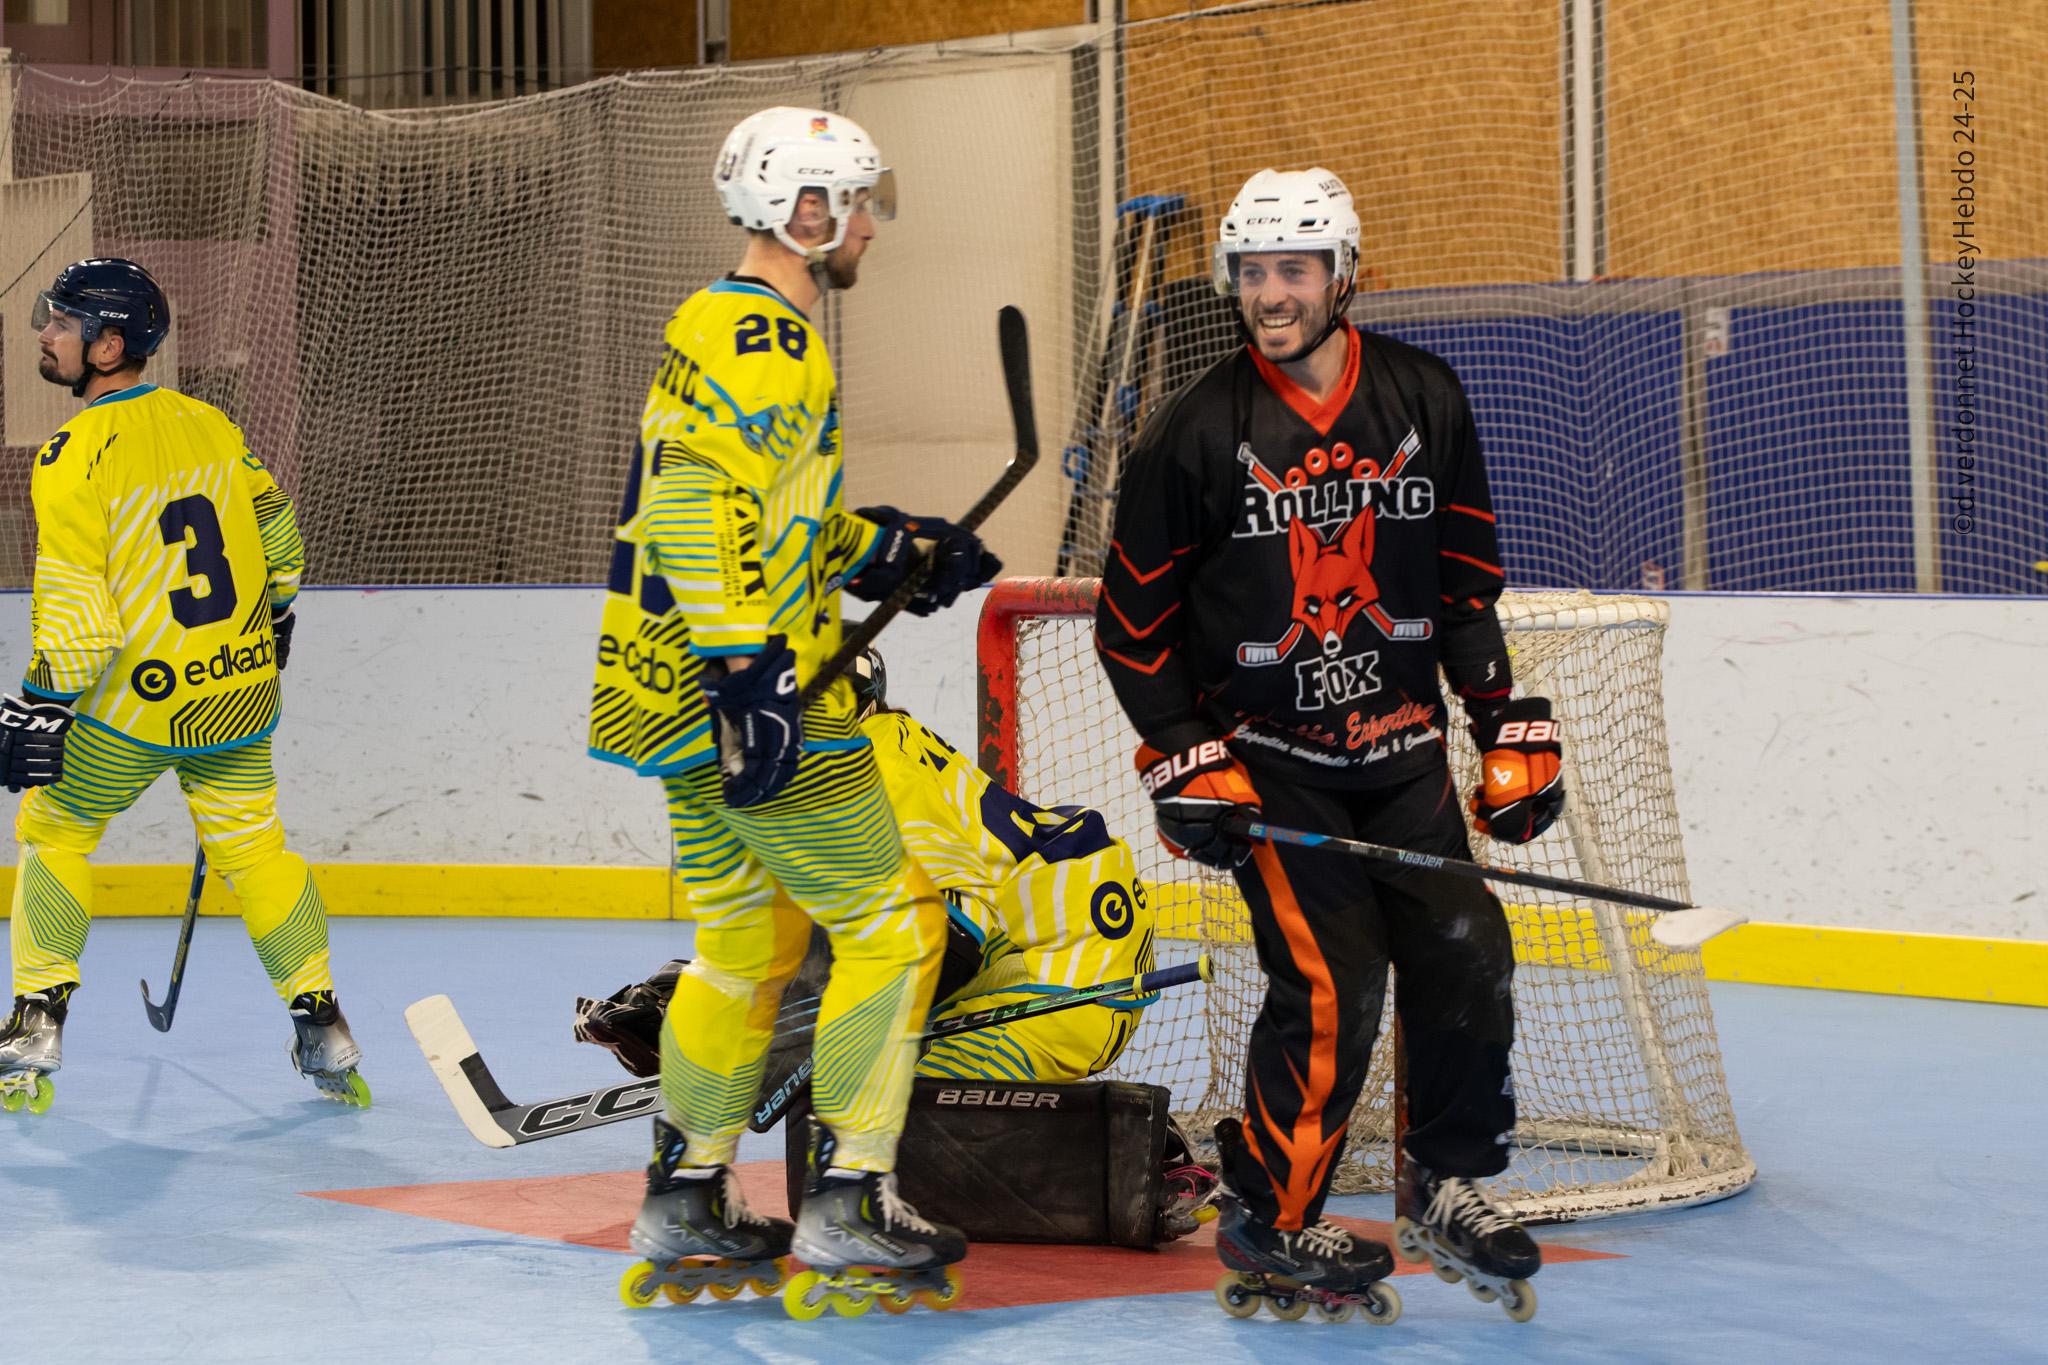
[{"x": 192, "y": 523}]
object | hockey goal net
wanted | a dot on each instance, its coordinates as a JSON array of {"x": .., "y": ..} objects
[{"x": 1622, "y": 1100}]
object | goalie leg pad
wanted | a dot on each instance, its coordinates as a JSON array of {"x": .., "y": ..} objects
[{"x": 1078, "y": 1164}]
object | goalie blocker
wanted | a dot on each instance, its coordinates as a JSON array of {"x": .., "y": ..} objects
[{"x": 1086, "y": 1162}]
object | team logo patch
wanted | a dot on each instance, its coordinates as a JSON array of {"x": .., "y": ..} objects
[
  {"x": 153, "y": 680},
  {"x": 1111, "y": 910}
]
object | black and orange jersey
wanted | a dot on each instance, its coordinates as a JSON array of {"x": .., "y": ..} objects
[{"x": 1292, "y": 574}]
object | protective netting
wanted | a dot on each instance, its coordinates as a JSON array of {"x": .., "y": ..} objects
[
  {"x": 440, "y": 324},
  {"x": 1623, "y": 1103}
]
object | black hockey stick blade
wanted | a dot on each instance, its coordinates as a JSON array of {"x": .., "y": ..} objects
[
  {"x": 1680, "y": 924},
  {"x": 1014, "y": 342},
  {"x": 160, "y": 1016},
  {"x": 491, "y": 1118},
  {"x": 770, "y": 1111}
]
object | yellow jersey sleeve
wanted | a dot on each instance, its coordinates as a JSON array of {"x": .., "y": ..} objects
[
  {"x": 1054, "y": 883},
  {"x": 277, "y": 524},
  {"x": 74, "y": 624}
]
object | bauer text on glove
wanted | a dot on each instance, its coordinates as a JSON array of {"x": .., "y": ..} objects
[{"x": 1193, "y": 792}]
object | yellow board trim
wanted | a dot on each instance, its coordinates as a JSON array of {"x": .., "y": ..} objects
[
  {"x": 1999, "y": 971},
  {"x": 1937, "y": 966},
  {"x": 481, "y": 890}
]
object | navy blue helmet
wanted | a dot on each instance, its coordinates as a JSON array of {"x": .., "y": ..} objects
[{"x": 108, "y": 293}]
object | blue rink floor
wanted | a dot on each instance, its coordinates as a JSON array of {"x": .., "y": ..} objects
[{"x": 158, "y": 1212}]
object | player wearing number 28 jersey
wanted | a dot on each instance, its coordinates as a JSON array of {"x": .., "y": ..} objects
[{"x": 167, "y": 562}]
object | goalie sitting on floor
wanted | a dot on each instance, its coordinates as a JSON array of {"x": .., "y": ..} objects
[{"x": 1038, "y": 901}]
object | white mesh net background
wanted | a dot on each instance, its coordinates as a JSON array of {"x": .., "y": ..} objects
[
  {"x": 1623, "y": 1103},
  {"x": 439, "y": 325}
]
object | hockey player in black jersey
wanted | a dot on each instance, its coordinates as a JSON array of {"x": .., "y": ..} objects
[{"x": 1303, "y": 540}]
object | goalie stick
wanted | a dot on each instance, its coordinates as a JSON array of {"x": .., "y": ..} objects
[
  {"x": 1679, "y": 925},
  {"x": 1015, "y": 344},
  {"x": 160, "y": 1015},
  {"x": 497, "y": 1121}
]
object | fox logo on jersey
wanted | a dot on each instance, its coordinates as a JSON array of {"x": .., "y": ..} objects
[{"x": 1333, "y": 581}]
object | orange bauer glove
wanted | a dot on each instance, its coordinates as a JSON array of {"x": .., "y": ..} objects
[
  {"x": 1519, "y": 793},
  {"x": 1192, "y": 793}
]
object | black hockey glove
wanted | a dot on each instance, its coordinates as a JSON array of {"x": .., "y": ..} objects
[
  {"x": 281, "y": 625},
  {"x": 628, "y": 1021},
  {"x": 32, "y": 742},
  {"x": 760, "y": 725},
  {"x": 1192, "y": 793},
  {"x": 959, "y": 560},
  {"x": 1519, "y": 756}
]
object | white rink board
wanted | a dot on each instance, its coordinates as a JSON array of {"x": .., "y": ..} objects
[{"x": 1867, "y": 762}]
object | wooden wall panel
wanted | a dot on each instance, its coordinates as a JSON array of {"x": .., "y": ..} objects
[
  {"x": 789, "y": 28},
  {"x": 1749, "y": 135},
  {"x": 2008, "y": 53},
  {"x": 1446, "y": 134},
  {"x": 633, "y": 35}
]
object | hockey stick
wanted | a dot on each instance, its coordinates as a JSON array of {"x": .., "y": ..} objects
[
  {"x": 496, "y": 1121},
  {"x": 1015, "y": 344},
  {"x": 160, "y": 1015},
  {"x": 1679, "y": 924},
  {"x": 770, "y": 1111}
]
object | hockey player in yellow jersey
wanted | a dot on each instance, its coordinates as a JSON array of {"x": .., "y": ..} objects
[
  {"x": 1039, "y": 901},
  {"x": 167, "y": 561},
  {"x": 733, "y": 543}
]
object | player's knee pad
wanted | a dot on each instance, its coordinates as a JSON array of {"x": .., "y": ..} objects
[{"x": 43, "y": 821}]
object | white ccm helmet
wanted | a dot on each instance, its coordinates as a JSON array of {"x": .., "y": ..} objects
[
  {"x": 1290, "y": 211},
  {"x": 774, "y": 155}
]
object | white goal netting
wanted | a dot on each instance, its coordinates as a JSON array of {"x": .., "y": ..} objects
[
  {"x": 1623, "y": 1103},
  {"x": 439, "y": 324}
]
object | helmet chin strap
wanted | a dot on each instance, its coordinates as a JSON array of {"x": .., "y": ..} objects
[{"x": 1338, "y": 307}]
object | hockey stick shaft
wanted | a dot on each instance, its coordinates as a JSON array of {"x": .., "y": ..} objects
[
  {"x": 1698, "y": 925},
  {"x": 771, "y": 1110},
  {"x": 1014, "y": 342},
  {"x": 496, "y": 1121},
  {"x": 160, "y": 1016}
]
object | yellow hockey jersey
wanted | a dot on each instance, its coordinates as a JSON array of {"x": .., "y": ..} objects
[
  {"x": 1054, "y": 885},
  {"x": 162, "y": 547},
  {"x": 732, "y": 528}
]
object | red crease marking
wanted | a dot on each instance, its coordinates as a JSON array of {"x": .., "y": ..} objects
[{"x": 595, "y": 1211}]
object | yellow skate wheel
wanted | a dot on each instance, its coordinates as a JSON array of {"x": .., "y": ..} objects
[
  {"x": 636, "y": 1286},
  {"x": 1519, "y": 1300},
  {"x": 12, "y": 1100},
  {"x": 897, "y": 1301},
  {"x": 45, "y": 1094},
  {"x": 943, "y": 1299},
  {"x": 852, "y": 1305},
  {"x": 1382, "y": 1305},
  {"x": 1206, "y": 1214},
  {"x": 1481, "y": 1292},
  {"x": 765, "y": 1285},
  {"x": 682, "y": 1293},
  {"x": 1235, "y": 1297},
  {"x": 802, "y": 1299}
]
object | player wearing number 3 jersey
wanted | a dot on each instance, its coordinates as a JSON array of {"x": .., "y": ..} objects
[{"x": 166, "y": 566}]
